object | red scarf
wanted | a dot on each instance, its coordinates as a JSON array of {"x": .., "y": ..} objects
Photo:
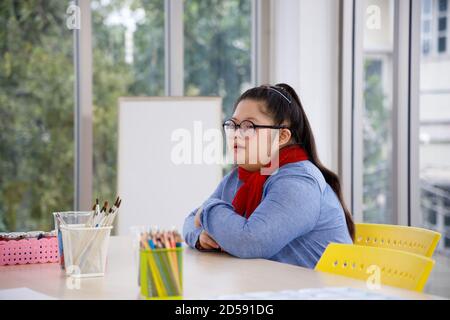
[{"x": 249, "y": 195}]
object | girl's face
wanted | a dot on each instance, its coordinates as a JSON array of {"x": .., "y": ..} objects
[{"x": 253, "y": 147}]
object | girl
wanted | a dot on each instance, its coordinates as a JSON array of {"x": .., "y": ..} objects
[{"x": 288, "y": 216}]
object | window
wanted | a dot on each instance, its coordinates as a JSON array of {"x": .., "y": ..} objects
[
  {"x": 442, "y": 24},
  {"x": 426, "y": 47},
  {"x": 442, "y": 33},
  {"x": 443, "y": 5},
  {"x": 434, "y": 17},
  {"x": 128, "y": 60},
  {"x": 37, "y": 88},
  {"x": 427, "y": 30},
  {"x": 442, "y": 44},
  {"x": 377, "y": 115},
  {"x": 434, "y": 150},
  {"x": 36, "y": 114},
  {"x": 426, "y": 7},
  {"x": 426, "y": 26},
  {"x": 447, "y": 242},
  {"x": 217, "y": 49},
  {"x": 399, "y": 95}
]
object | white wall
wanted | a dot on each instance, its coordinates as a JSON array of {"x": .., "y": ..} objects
[{"x": 304, "y": 54}]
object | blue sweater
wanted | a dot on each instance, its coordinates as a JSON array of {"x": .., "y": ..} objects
[{"x": 299, "y": 215}]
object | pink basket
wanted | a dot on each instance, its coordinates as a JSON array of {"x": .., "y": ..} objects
[{"x": 29, "y": 251}]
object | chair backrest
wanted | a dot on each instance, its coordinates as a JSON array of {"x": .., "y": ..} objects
[
  {"x": 391, "y": 267},
  {"x": 416, "y": 240}
]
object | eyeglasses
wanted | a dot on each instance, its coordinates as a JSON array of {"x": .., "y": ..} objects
[{"x": 246, "y": 127}]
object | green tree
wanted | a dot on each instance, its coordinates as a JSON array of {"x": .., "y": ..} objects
[
  {"x": 376, "y": 133},
  {"x": 37, "y": 83},
  {"x": 217, "y": 40},
  {"x": 36, "y": 113}
]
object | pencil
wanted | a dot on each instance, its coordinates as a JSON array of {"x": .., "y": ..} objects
[
  {"x": 166, "y": 255},
  {"x": 144, "y": 266},
  {"x": 173, "y": 259},
  {"x": 154, "y": 273}
]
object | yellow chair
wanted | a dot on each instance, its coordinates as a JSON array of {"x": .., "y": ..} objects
[
  {"x": 415, "y": 240},
  {"x": 394, "y": 268}
]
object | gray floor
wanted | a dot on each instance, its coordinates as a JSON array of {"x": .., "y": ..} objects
[{"x": 439, "y": 280}]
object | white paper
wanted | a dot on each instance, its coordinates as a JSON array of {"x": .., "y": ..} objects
[
  {"x": 327, "y": 293},
  {"x": 23, "y": 294}
]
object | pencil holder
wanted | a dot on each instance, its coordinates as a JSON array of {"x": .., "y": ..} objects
[
  {"x": 161, "y": 273},
  {"x": 71, "y": 218},
  {"x": 85, "y": 250}
]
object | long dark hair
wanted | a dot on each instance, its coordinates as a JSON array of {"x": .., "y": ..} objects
[{"x": 283, "y": 105}]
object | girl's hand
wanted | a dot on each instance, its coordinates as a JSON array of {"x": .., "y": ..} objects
[
  {"x": 206, "y": 242},
  {"x": 197, "y": 217}
]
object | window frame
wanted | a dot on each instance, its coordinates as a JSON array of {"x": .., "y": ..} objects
[
  {"x": 414, "y": 149},
  {"x": 404, "y": 113},
  {"x": 83, "y": 109}
]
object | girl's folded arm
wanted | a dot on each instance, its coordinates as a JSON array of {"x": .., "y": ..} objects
[
  {"x": 190, "y": 231},
  {"x": 290, "y": 208}
]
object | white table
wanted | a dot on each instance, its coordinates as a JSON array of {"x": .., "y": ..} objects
[{"x": 206, "y": 275}]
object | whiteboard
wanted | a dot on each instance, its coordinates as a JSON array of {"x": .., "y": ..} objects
[{"x": 156, "y": 191}]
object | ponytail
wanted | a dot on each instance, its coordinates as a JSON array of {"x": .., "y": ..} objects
[{"x": 305, "y": 134}]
